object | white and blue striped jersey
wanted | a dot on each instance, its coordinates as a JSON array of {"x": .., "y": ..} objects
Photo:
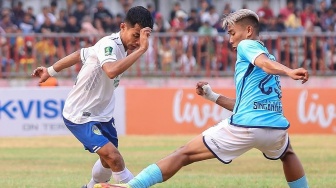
[{"x": 258, "y": 94}]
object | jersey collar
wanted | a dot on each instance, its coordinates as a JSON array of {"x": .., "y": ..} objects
[{"x": 118, "y": 41}]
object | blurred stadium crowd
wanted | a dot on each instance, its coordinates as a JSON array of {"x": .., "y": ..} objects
[
  {"x": 77, "y": 17},
  {"x": 202, "y": 48}
]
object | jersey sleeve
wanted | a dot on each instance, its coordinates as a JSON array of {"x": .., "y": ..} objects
[
  {"x": 250, "y": 50},
  {"x": 106, "y": 51},
  {"x": 84, "y": 54}
]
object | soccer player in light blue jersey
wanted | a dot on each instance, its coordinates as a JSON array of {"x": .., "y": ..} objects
[{"x": 257, "y": 120}]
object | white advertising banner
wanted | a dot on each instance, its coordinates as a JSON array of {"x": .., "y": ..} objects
[{"x": 37, "y": 111}]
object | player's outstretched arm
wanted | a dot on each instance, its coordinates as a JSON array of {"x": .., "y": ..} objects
[
  {"x": 273, "y": 67},
  {"x": 204, "y": 89},
  {"x": 44, "y": 73},
  {"x": 117, "y": 67}
]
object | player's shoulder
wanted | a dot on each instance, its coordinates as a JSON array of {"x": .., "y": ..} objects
[
  {"x": 249, "y": 43},
  {"x": 114, "y": 39},
  {"x": 108, "y": 38},
  {"x": 248, "y": 46}
]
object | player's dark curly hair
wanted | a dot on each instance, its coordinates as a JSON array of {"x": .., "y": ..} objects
[{"x": 139, "y": 15}]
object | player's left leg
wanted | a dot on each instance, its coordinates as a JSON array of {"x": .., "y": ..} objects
[
  {"x": 275, "y": 145},
  {"x": 100, "y": 173},
  {"x": 109, "y": 153},
  {"x": 90, "y": 135},
  {"x": 293, "y": 169},
  {"x": 122, "y": 176}
]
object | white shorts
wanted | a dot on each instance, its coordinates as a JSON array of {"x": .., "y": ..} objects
[{"x": 227, "y": 142}]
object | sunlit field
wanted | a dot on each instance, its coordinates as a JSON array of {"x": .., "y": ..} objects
[{"x": 41, "y": 162}]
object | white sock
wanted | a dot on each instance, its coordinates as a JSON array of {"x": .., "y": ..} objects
[
  {"x": 122, "y": 176},
  {"x": 100, "y": 174}
]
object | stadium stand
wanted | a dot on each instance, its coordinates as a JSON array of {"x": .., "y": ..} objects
[{"x": 186, "y": 43}]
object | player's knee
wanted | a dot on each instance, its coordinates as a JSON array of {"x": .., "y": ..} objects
[
  {"x": 289, "y": 153},
  {"x": 182, "y": 155},
  {"x": 114, "y": 160},
  {"x": 104, "y": 164}
]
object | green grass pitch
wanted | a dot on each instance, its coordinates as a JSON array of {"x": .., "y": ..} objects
[{"x": 61, "y": 162}]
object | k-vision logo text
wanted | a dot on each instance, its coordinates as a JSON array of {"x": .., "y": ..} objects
[{"x": 25, "y": 109}]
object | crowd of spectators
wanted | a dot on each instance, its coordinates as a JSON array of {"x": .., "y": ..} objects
[
  {"x": 53, "y": 20},
  {"x": 78, "y": 17}
]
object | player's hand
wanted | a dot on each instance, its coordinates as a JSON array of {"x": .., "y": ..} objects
[
  {"x": 42, "y": 73},
  {"x": 144, "y": 35},
  {"x": 204, "y": 89},
  {"x": 299, "y": 74},
  {"x": 199, "y": 88}
]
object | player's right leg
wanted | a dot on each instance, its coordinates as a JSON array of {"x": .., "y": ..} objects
[
  {"x": 101, "y": 138},
  {"x": 161, "y": 171},
  {"x": 219, "y": 141},
  {"x": 193, "y": 151}
]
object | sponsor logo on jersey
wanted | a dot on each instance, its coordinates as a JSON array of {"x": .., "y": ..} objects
[
  {"x": 87, "y": 114},
  {"x": 108, "y": 51},
  {"x": 274, "y": 106}
]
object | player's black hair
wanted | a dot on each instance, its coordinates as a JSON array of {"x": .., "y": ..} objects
[
  {"x": 139, "y": 15},
  {"x": 53, "y": 3}
]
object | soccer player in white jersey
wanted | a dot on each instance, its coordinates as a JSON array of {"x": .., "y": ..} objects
[
  {"x": 257, "y": 120},
  {"x": 90, "y": 104}
]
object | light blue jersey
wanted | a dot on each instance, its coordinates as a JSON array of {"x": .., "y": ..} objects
[{"x": 258, "y": 94}]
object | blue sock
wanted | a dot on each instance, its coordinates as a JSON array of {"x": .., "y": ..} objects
[
  {"x": 147, "y": 177},
  {"x": 300, "y": 183}
]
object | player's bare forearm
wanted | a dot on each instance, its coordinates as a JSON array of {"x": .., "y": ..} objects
[
  {"x": 115, "y": 68},
  {"x": 225, "y": 102},
  {"x": 271, "y": 67},
  {"x": 203, "y": 89},
  {"x": 276, "y": 68},
  {"x": 67, "y": 61}
]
